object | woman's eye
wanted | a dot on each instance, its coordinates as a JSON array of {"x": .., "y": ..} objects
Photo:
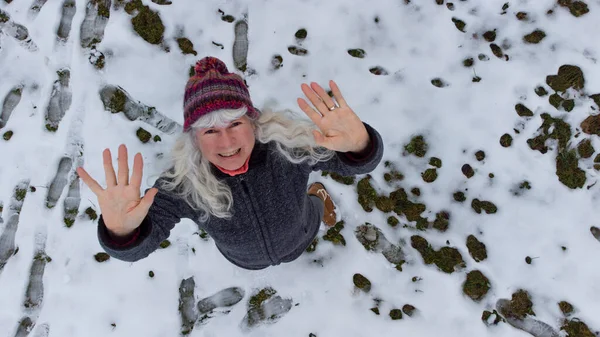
[
  {"x": 236, "y": 124},
  {"x": 209, "y": 131}
]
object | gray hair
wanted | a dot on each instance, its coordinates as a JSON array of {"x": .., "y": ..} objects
[{"x": 191, "y": 176}]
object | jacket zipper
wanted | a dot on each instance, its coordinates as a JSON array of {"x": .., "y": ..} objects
[{"x": 262, "y": 234}]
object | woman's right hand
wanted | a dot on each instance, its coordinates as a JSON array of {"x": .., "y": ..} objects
[{"x": 122, "y": 208}]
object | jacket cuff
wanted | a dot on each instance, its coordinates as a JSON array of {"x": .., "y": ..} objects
[{"x": 121, "y": 242}]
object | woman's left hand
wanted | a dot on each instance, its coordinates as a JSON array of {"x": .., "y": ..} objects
[{"x": 341, "y": 129}]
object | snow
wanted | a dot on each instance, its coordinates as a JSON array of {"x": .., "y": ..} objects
[{"x": 415, "y": 43}]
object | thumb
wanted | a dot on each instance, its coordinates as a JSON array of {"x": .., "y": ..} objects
[{"x": 146, "y": 201}]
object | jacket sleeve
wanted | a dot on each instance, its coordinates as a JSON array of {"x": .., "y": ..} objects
[
  {"x": 166, "y": 211},
  {"x": 349, "y": 163}
]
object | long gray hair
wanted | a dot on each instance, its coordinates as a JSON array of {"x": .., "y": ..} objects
[{"x": 191, "y": 176}]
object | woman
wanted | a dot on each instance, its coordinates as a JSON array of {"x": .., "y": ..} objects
[{"x": 239, "y": 174}]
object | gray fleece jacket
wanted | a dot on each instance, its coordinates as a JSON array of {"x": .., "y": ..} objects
[{"x": 273, "y": 220}]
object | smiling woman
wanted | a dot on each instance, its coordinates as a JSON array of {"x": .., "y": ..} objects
[{"x": 239, "y": 173}]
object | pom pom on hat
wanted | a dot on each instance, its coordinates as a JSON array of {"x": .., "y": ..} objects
[{"x": 210, "y": 63}]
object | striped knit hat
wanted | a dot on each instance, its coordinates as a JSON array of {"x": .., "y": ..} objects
[{"x": 213, "y": 88}]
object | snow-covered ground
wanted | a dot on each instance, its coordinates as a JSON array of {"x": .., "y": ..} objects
[{"x": 58, "y": 85}]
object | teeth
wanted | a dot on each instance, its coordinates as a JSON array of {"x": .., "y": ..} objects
[{"x": 229, "y": 154}]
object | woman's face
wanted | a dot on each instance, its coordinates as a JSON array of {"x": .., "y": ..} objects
[{"x": 227, "y": 147}]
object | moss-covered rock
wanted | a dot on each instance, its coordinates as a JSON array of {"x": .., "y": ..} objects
[
  {"x": 468, "y": 62},
  {"x": 506, "y": 140},
  {"x": 434, "y": 161},
  {"x": 392, "y": 221},
  {"x": 555, "y": 100},
  {"x": 395, "y": 314},
  {"x": 417, "y": 146},
  {"x": 496, "y": 50},
  {"x": 585, "y": 148},
  {"x": 385, "y": 204},
  {"x": 358, "y": 53},
  {"x": 333, "y": 234},
  {"x": 378, "y": 70},
  {"x": 569, "y": 76},
  {"x": 101, "y": 257},
  {"x": 480, "y": 155},
  {"x": 476, "y": 285},
  {"x": 534, "y": 37},
  {"x": 522, "y": 16},
  {"x": 301, "y": 34},
  {"x": 367, "y": 195},
  {"x": 565, "y": 307},
  {"x": 416, "y": 191},
  {"x": 591, "y": 125},
  {"x": 7, "y": 135},
  {"x": 460, "y": 24},
  {"x": 482, "y": 205},
  {"x": 430, "y": 175},
  {"x": 361, "y": 282},
  {"x": 438, "y": 82},
  {"x": 151, "y": 274},
  {"x": 476, "y": 248},
  {"x": 467, "y": 170},
  {"x": 447, "y": 259},
  {"x": 576, "y": 328},
  {"x": 577, "y": 8},
  {"x": 313, "y": 246},
  {"x": 568, "y": 105},
  {"x": 298, "y": 51},
  {"x": 490, "y": 35},
  {"x": 186, "y": 46},
  {"x": 165, "y": 244},
  {"x": 459, "y": 196},
  {"x": 228, "y": 18},
  {"x": 519, "y": 306},
  {"x": 523, "y": 111},
  {"x": 568, "y": 171},
  {"x": 541, "y": 91},
  {"x": 561, "y": 131}
]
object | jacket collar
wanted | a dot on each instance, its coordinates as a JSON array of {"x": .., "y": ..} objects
[{"x": 257, "y": 161}]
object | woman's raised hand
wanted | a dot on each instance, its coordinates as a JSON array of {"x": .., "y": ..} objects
[{"x": 122, "y": 208}]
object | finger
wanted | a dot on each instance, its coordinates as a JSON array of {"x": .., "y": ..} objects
[
  {"x": 89, "y": 181},
  {"x": 314, "y": 99},
  {"x": 109, "y": 171},
  {"x": 329, "y": 103},
  {"x": 123, "y": 166},
  {"x": 310, "y": 112},
  {"x": 337, "y": 94},
  {"x": 136, "y": 177}
]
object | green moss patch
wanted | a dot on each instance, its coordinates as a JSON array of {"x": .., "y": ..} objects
[
  {"x": 165, "y": 244},
  {"x": 146, "y": 23},
  {"x": 561, "y": 131},
  {"x": 438, "y": 82},
  {"x": 487, "y": 206},
  {"x": 442, "y": 221},
  {"x": 534, "y": 37},
  {"x": 447, "y": 259},
  {"x": 496, "y": 50},
  {"x": 333, "y": 234},
  {"x": 358, "y": 53},
  {"x": 460, "y": 24},
  {"x": 555, "y": 100},
  {"x": 298, "y": 51},
  {"x": 367, "y": 195},
  {"x": 541, "y": 91},
  {"x": 468, "y": 62},
  {"x": 430, "y": 175},
  {"x": 569, "y": 76},
  {"x": 301, "y": 34},
  {"x": 476, "y": 285},
  {"x": 506, "y": 140},
  {"x": 416, "y": 191},
  {"x": 523, "y": 111},
  {"x": 522, "y": 16},
  {"x": 417, "y": 146},
  {"x": 143, "y": 135},
  {"x": 385, "y": 204},
  {"x": 20, "y": 194},
  {"x": 392, "y": 221},
  {"x": 577, "y": 8},
  {"x": 91, "y": 213},
  {"x": 313, "y": 246},
  {"x": 361, "y": 282},
  {"x": 519, "y": 306},
  {"x": 459, "y": 196},
  {"x": 490, "y": 35},
  {"x": 101, "y": 257},
  {"x": 117, "y": 101},
  {"x": 591, "y": 125},
  {"x": 576, "y": 328},
  {"x": 186, "y": 46},
  {"x": 378, "y": 70},
  {"x": 476, "y": 248},
  {"x": 408, "y": 310},
  {"x": 260, "y": 297},
  {"x": 491, "y": 317},
  {"x": 395, "y": 314},
  {"x": 467, "y": 170},
  {"x": 411, "y": 210},
  {"x": 480, "y": 155},
  {"x": 568, "y": 171},
  {"x": 345, "y": 180},
  {"x": 276, "y": 62},
  {"x": 585, "y": 148},
  {"x": 436, "y": 162},
  {"x": 7, "y": 135},
  {"x": 565, "y": 307}
]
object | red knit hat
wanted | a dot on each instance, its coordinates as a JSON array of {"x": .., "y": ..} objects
[{"x": 213, "y": 88}]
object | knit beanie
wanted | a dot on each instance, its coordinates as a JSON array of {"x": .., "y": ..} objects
[{"x": 213, "y": 88}]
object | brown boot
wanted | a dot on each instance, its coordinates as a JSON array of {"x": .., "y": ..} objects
[{"x": 318, "y": 190}]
